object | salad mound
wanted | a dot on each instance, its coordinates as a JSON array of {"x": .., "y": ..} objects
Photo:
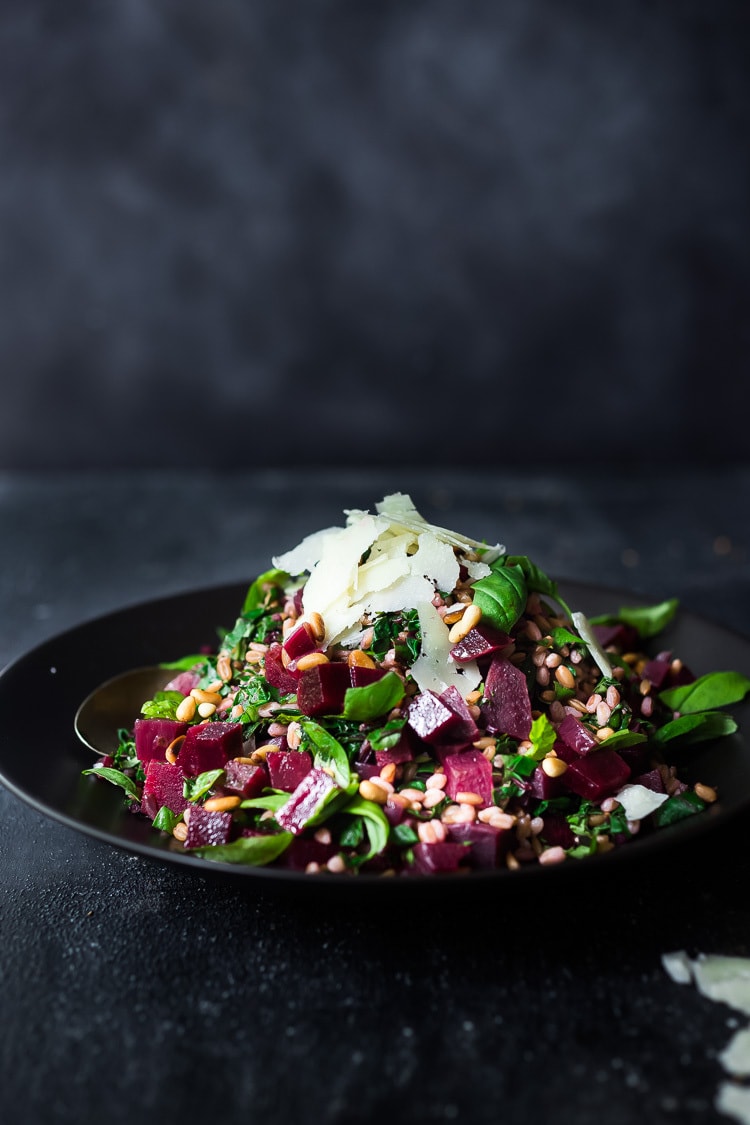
[{"x": 396, "y": 698}]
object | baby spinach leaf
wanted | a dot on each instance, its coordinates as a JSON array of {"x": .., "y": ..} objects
[
  {"x": 115, "y": 777},
  {"x": 501, "y": 596},
  {"x": 404, "y": 835},
  {"x": 270, "y": 583},
  {"x": 329, "y": 754},
  {"x": 165, "y": 819},
  {"x": 163, "y": 705},
  {"x": 542, "y": 737},
  {"x": 536, "y": 580},
  {"x": 375, "y": 699},
  {"x": 255, "y": 851},
  {"x": 562, "y": 636},
  {"x": 388, "y": 736},
  {"x": 648, "y": 621},
  {"x": 353, "y": 834},
  {"x": 193, "y": 788},
  {"x": 700, "y": 727},
  {"x": 272, "y": 801},
  {"x": 715, "y": 689},
  {"x": 376, "y": 823},
  {"x": 622, "y": 738},
  {"x": 185, "y": 663},
  {"x": 677, "y": 808}
]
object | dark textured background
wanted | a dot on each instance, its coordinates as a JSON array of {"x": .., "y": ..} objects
[{"x": 234, "y": 232}]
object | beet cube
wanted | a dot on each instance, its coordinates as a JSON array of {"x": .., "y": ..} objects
[
  {"x": 619, "y": 635},
  {"x": 657, "y": 670},
  {"x": 469, "y": 772},
  {"x": 208, "y": 745},
  {"x": 208, "y": 828},
  {"x": 363, "y": 677},
  {"x": 430, "y": 718},
  {"x": 466, "y": 729},
  {"x": 153, "y": 736},
  {"x": 506, "y": 707},
  {"x": 480, "y": 641},
  {"x": 305, "y": 801},
  {"x": 597, "y": 775},
  {"x": 300, "y": 641},
  {"x": 557, "y": 832},
  {"x": 544, "y": 788},
  {"x": 163, "y": 786},
  {"x": 488, "y": 844},
  {"x": 401, "y": 752},
  {"x": 304, "y": 850},
  {"x": 651, "y": 780},
  {"x": 576, "y": 736},
  {"x": 245, "y": 780},
  {"x": 436, "y": 859},
  {"x": 321, "y": 689},
  {"x": 287, "y": 768},
  {"x": 277, "y": 675}
]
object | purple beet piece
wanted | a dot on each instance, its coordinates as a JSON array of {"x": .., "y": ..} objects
[
  {"x": 245, "y": 780},
  {"x": 363, "y": 677},
  {"x": 366, "y": 770},
  {"x": 597, "y": 775},
  {"x": 321, "y": 689},
  {"x": 557, "y": 833},
  {"x": 545, "y": 788},
  {"x": 507, "y": 707},
  {"x": 565, "y": 752},
  {"x": 635, "y": 757},
  {"x": 164, "y": 786},
  {"x": 184, "y": 682},
  {"x": 208, "y": 828},
  {"x": 576, "y": 736},
  {"x": 430, "y": 718},
  {"x": 153, "y": 736},
  {"x": 401, "y": 752},
  {"x": 304, "y": 850},
  {"x": 624, "y": 637},
  {"x": 480, "y": 641},
  {"x": 275, "y": 672},
  {"x": 304, "y": 801},
  {"x": 300, "y": 641},
  {"x": 469, "y": 772},
  {"x": 208, "y": 746},
  {"x": 287, "y": 768},
  {"x": 436, "y": 859},
  {"x": 651, "y": 780},
  {"x": 488, "y": 844},
  {"x": 657, "y": 670},
  {"x": 394, "y": 813},
  {"x": 467, "y": 730}
]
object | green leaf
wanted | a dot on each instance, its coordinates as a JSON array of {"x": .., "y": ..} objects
[
  {"x": 542, "y": 737},
  {"x": 163, "y": 705},
  {"x": 193, "y": 788},
  {"x": 265, "y": 585},
  {"x": 715, "y": 689},
  {"x": 501, "y": 596},
  {"x": 375, "y": 699},
  {"x": 562, "y": 636},
  {"x": 354, "y": 833},
  {"x": 165, "y": 819},
  {"x": 536, "y": 580},
  {"x": 678, "y": 808},
  {"x": 272, "y": 801},
  {"x": 376, "y": 823},
  {"x": 255, "y": 851},
  {"x": 386, "y": 630},
  {"x": 388, "y": 736},
  {"x": 404, "y": 836},
  {"x": 648, "y": 621},
  {"x": 253, "y": 695},
  {"x": 185, "y": 664},
  {"x": 115, "y": 777},
  {"x": 329, "y": 754},
  {"x": 623, "y": 738},
  {"x": 700, "y": 727}
]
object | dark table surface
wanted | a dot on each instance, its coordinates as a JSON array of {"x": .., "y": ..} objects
[{"x": 134, "y": 990}]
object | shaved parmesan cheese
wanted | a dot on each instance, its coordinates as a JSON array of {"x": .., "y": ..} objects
[
  {"x": 583, "y": 626},
  {"x": 735, "y": 1058},
  {"x": 437, "y": 561},
  {"x": 434, "y": 670},
  {"x": 734, "y": 1101},
  {"x": 638, "y": 801},
  {"x": 726, "y": 979},
  {"x": 306, "y": 554},
  {"x": 678, "y": 966},
  {"x": 399, "y": 509}
]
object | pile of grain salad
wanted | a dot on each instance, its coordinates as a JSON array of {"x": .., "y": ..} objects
[{"x": 396, "y": 698}]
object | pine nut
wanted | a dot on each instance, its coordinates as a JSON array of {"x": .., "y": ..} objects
[
  {"x": 412, "y": 794},
  {"x": 436, "y": 781},
  {"x": 459, "y": 814},
  {"x": 552, "y": 855},
  {"x": 310, "y": 660},
  {"x": 603, "y": 734},
  {"x": 359, "y": 659},
  {"x": 547, "y": 696},
  {"x": 474, "y": 696},
  {"x": 206, "y": 710},
  {"x": 453, "y": 614},
  {"x": 565, "y": 677},
  {"x": 173, "y": 749},
  {"x": 644, "y": 687},
  {"x": 257, "y": 657},
  {"x": 205, "y": 696},
  {"x": 382, "y": 784},
  {"x": 433, "y": 797},
  {"x": 243, "y": 761},
  {"x": 554, "y": 767},
  {"x": 372, "y": 792},
  {"x": 554, "y": 660},
  {"x": 466, "y": 797},
  {"x": 336, "y": 864},
  {"x": 603, "y": 714},
  {"x": 236, "y": 712},
  {"x": 185, "y": 710},
  {"x": 214, "y": 687},
  {"x": 317, "y": 625},
  {"x": 613, "y": 696},
  {"x": 500, "y": 819},
  {"x": 294, "y": 735},
  {"x": 471, "y": 618},
  {"x": 388, "y": 772},
  {"x": 224, "y": 668},
  {"x": 276, "y": 730},
  {"x": 222, "y": 804},
  {"x": 592, "y": 703},
  {"x": 180, "y": 831},
  {"x": 705, "y": 792},
  {"x": 426, "y": 832},
  {"x": 258, "y": 646},
  {"x": 323, "y": 836}
]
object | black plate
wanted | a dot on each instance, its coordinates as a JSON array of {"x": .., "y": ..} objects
[{"x": 41, "y": 758}]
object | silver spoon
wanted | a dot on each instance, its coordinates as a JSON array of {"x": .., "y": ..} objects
[{"x": 115, "y": 704}]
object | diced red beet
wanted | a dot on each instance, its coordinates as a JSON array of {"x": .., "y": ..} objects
[
  {"x": 480, "y": 641},
  {"x": 245, "y": 780},
  {"x": 507, "y": 707},
  {"x": 163, "y": 785},
  {"x": 208, "y": 828},
  {"x": 184, "y": 682},
  {"x": 401, "y": 752},
  {"x": 300, "y": 641},
  {"x": 467, "y": 730},
  {"x": 436, "y": 859},
  {"x": 624, "y": 637},
  {"x": 488, "y": 844},
  {"x": 564, "y": 751},
  {"x": 651, "y": 780},
  {"x": 635, "y": 757},
  {"x": 287, "y": 768},
  {"x": 545, "y": 788},
  {"x": 366, "y": 770},
  {"x": 657, "y": 670},
  {"x": 363, "y": 677},
  {"x": 208, "y": 746},
  {"x": 153, "y": 736},
  {"x": 304, "y": 801},
  {"x": 576, "y": 736},
  {"x": 430, "y": 718},
  {"x": 557, "y": 833},
  {"x": 469, "y": 772},
  {"x": 321, "y": 689},
  {"x": 394, "y": 813},
  {"x": 275, "y": 672},
  {"x": 597, "y": 775}
]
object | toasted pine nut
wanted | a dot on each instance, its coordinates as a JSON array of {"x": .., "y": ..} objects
[
  {"x": 433, "y": 797},
  {"x": 459, "y": 814},
  {"x": 214, "y": 687},
  {"x": 552, "y": 855},
  {"x": 205, "y": 696},
  {"x": 236, "y": 712},
  {"x": 222, "y": 804},
  {"x": 173, "y": 749},
  {"x": 180, "y": 831},
  {"x": 565, "y": 677},
  {"x": 381, "y": 783},
  {"x": 206, "y": 710},
  {"x": 474, "y": 696},
  {"x": 294, "y": 735},
  {"x": 613, "y": 696},
  {"x": 603, "y": 714},
  {"x": 705, "y": 792},
  {"x": 359, "y": 659},
  {"x": 224, "y": 667},
  {"x": 311, "y": 659},
  {"x": 252, "y": 657},
  {"x": 242, "y": 761},
  {"x": 412, "y": 794},
  {"x": 185, "y": 710},
  {"x": 372, "y": 792},
  {"x": 317, "y": 625},
  {"x": 554, "y": 767},
  {"x": 466, "y": 797},
  {"x": 436, "y": 781},
  {"x": 388, "y": 772},
  {"x": 644, "y": 687},
  {"x": 471, "y": 617},
  {"x": 603, "y": 734}
]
